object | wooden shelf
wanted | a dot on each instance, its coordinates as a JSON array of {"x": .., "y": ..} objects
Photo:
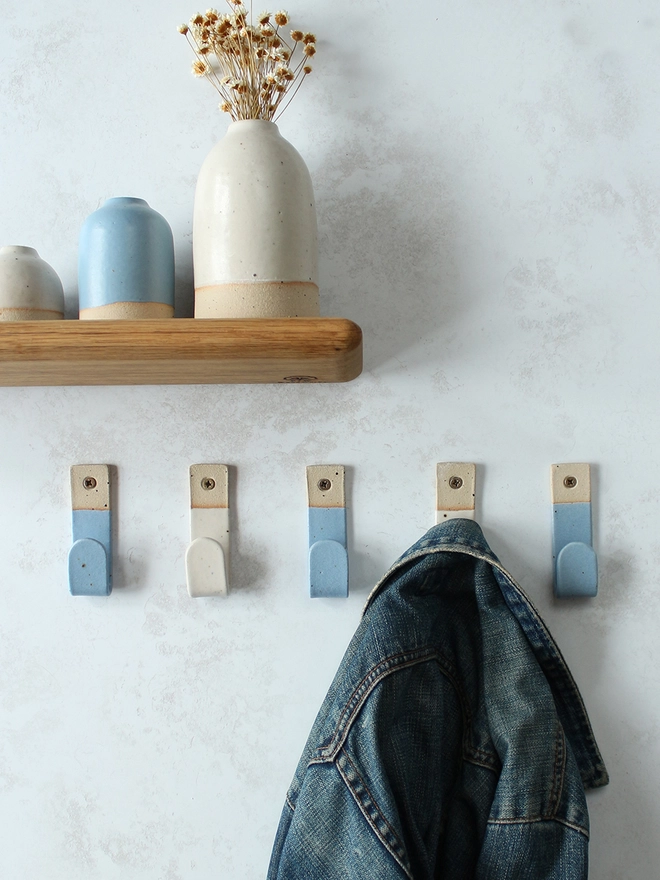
[{"x": 179, "y": 351}]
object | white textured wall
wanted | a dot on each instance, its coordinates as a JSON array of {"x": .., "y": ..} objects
[{"x": 488, "y": 190}]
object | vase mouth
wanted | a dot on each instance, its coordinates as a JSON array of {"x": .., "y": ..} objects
[
  {"x": 253, "y": 122},
  {"x": 125, "y": 200},
  {"x": 19, "y": 249}
]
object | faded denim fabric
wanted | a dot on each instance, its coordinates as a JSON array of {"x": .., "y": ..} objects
[{"x": 453, "y": 743}]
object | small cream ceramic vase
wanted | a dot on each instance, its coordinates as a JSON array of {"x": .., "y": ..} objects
[
  {"x": 30, "y": 289},
  {"x": 255, "y": 251}
]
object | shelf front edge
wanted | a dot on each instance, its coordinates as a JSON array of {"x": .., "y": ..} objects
[{"x": 179, "y": 351}]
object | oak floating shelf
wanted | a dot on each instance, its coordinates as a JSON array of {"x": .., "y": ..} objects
[{"x": 179, "y": 351}]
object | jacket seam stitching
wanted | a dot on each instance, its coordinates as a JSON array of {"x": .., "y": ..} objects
[
  {"x": 374, "y": 677},
  {"x": 558, "y": 771},
  {"x": 535, "y": 819},
  {"x": 392, "y": 851},
  {"x": 474, "y": 759},
  {"x": 376, "y": 674}
]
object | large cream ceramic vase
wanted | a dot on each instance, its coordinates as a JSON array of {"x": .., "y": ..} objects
[{"x": 255, "y": 249}]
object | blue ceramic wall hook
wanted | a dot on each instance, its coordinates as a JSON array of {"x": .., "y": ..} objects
[
  {"x": 575, "y": 562},
  {"x": 328, "y": 556},
  {"x": 90, "y": 557}
]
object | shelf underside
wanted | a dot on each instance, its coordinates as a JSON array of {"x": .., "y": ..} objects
[{"x": 179, "y": 351}]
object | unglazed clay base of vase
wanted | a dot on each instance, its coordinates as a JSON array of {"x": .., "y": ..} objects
[
  {"x": 258, "y": 299},
  {"x": 30, "y": 315},
  {"x": 127, "y": 311}
]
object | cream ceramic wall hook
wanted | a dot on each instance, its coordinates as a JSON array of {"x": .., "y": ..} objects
[
  {"x": 207, "y": 556},
  {"x": 328, "y": 556},
  {"x": 90, "y": 557},
  {"x": 575, "y": 562},
  {"x": 455, "y": 490}
]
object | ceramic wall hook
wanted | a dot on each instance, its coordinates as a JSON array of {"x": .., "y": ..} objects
[
  {"x": 207, "y": 556},
  {"x": 575, "y": 562},
  {"x": 90, "y": 557},
  {"x": 455, "y": 490},
  {"x": 328, "y": 556}
]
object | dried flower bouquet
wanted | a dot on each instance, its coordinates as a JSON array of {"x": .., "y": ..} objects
[{"x": 253, "y": 66}]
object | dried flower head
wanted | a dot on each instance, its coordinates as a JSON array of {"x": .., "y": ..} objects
[
  {"x": 200, "y": 68},
  {"x": 250, "y": 62}
]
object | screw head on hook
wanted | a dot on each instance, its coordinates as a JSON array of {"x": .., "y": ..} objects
[
  {"x": 324, "y": 485},
  {"x": 89, "y": 483},
  {"x": 455, "y": 482},
  {"x": 570, "y": 482},
  {"x": 208, "y": 483}
]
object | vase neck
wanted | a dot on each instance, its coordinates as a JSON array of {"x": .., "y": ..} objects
[
  {"x": 125, "y": 200},
  {"x": 18, "y": 250},
  {"x": 243, "y": 125}
]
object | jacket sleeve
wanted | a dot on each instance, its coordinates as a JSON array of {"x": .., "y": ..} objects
[{"x": 325, "y": 836}]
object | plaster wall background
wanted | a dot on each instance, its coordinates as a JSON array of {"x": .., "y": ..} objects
[{"x": 488, "y": 194}]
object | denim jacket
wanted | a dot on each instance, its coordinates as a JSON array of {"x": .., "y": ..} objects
[{"x": 453, "y": 742}]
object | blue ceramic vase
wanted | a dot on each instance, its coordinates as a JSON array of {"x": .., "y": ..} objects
[{"x": 126, "y": 262}]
